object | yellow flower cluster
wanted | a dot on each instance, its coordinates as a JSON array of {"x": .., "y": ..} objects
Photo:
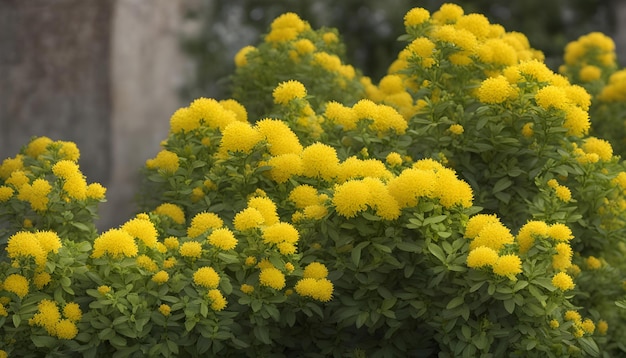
[
  {"x": 615, "y": 89},
  {"x": 314, "y": 283},
  {"x": 562, "y": 192},
  {"x": 287, "y": 91},
  {"x": 435, "y": 182},
  {"x": 26, "y": 245},
  {"x": 164, "y": 160},
  {"x": 49, "y": 317},
  {"x": 383, "y": 119},
  {"x": 588, "y": 57},
  {"x": 117, "y": 243},
  {"x": 286, "y": 27},
  {"x": 74, "y": 182},
  {"x": 173, "y": 211}
]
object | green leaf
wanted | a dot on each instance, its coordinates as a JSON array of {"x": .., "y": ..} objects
[
  {"x": 455, "y": 302},
  {"x": 509, "y": 306},
  {"x": 356, "y": 252},
  {"x": 437, "y": 252}
]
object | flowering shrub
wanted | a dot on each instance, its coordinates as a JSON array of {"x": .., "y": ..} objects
[{"x": 457, "y": 207}]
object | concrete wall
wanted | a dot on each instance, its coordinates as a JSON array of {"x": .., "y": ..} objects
[{"x": 146, "y": 72}]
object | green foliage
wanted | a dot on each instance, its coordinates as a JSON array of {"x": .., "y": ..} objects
[{"x": 457, "y": 208}]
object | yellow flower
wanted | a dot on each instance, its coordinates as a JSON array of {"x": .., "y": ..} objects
[
  {"x": 315, "y": 270},
  {"x": 239, "y": 137},
  {"x": 571, "y": 315},
  {"x": 272, "y": 277},
  {"x": 492, "y": 235},
  {"x": 287, "y": 91},
  {"x": 3, "y": 312},
  {"x": 508, "y": 265},
  {"x": 289, "y": 267},
  {"x": 593, "y": 263},
  {"x": 482, "y": 256},
  {"x": 280, "y": 232},
  {"x": 24, "y": 244},
  {"x": 174, "y": 211},
  {"x": 560, "y": 232},
  {"x": 554, "y": 324},
  {"x": 496, "y": 90},
  {"x": 17, "y": 178},
  {"x": 206, "y": 277},
  {"x": 47, "y": 316},
  {"x": 68, "y": 150},
  {"x": 410, "y": 185},
  {"x": 66, "y": 329},
  {"x": 563, "y": 281},
  {"x": 598, "y": 146},
  {"x": 393, "y": 159},
  {"x": 116, "y": 243},
  {"x": 286, "y": 248},
  {"x": 38, "y": 146},
  {"x": 551, "y": 97},
  {"x": 589, "y": 73},
  {"x": 49, "y": 241},
  {"x": 160, "y": 277},
  {"x": 147, "y": 263},
  {"x": 165, "y": 309},
  {"x": 448, "y": 13},
  {"x": 202, "y": 222},
  {"x": 36, "y": 194},
  {"x": 169, "y": 262},
  {"x": 95, "y": 191},
  {"x": 250, "y": 261},
  {"x": 191, "y": 249},
  {"x": 72, "y": 312},
  {"x": 527, "y": 130},
  {"x": 285, "y": 166},
  {"x": 452, "y": 191},
  {"x": 563, "y": 259},
  {"x": 320, "y": 161},
  {"x": 563, "y": 193},
  {"x": 318, "y": 289},
  {"x": 351, "y": 198},
  {"x": 210, "y": 113},
  {"x": 280, "y": 138},
  {"x": 305, "y": 195},
  {"x": 588, "y": 326},
  {"x": 41, "y": 279},
  {"x": 223, "y": 239},
  {"x": 171, "y": 242},
  {"x": 528, "y": 232},
  {"x": 5, "y": 193},
  {"x": 164, "y": 160},
  {"x": 416, "y": 16},
  {"x": 576, "y": 121},
  {"x": 477, "y": 222},
  {"x": 143, "y": 230},
  {"x": 104, "y": 289},
  {"x": 266, "y": 207},
  {"x": 232, "y": 105},
  {"x": 17, "y": 284},
  {"x": 456, "y": 129},
  {"x": 341, "y": 115},
  {"x": 248, "y": 218},
  {"x": 247, "y": 289},
  {"x": 241, "y": 58},
  {"x": 602, "y": 326},
  {"x": 218, "y": 302}
]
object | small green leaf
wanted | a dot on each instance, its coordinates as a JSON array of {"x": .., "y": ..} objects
[{"x": 455, "y": 302}]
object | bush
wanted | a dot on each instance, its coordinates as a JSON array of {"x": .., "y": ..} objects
[{"x": 457, "y": 208}]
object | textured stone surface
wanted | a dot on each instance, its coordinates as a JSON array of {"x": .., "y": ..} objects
[
  {"x": 146, "y": 74},
  {"x": 54, "y": 77}
]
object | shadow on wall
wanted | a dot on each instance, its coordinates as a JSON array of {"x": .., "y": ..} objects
[{"x": 102, "y": 74}]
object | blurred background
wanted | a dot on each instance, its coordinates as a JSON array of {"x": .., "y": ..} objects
[{"x": 107, "y": 74}]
